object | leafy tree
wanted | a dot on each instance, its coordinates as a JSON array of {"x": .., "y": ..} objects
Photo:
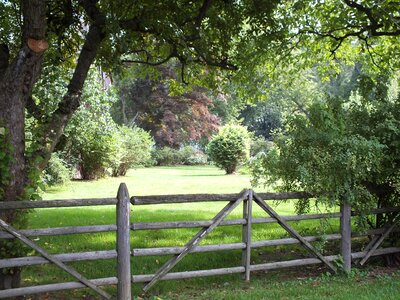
[
  {"x": 343, "y": 150},
  {"x": 88, "y": 139},
  {"x": 262, "y": 118},
  {"x": 229, "y": 147},
  {"x": 57, "y": 172},
  {"x": 217, "y": 33},
  {"x": 347, "y": 28},
  {"x": 133, "y": 149},
  {"x": 173, "y": 117},
  {"x": 78, "y": 33}
]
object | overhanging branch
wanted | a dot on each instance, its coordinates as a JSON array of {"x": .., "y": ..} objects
[
  {"x": 374, "y": 25},
  {"x": 53, "y": 128}
]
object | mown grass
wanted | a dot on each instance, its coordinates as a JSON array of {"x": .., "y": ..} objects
[
  {"x": 177, "y": 180},
  {"x": 358, "y": 285}
]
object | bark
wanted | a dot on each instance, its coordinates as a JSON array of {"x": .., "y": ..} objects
[
  {"x": 16, "y": 83},
  {"x": 54, "y": 127},
  {"x": 15, "y": 88},
  {"x": 230, "y": 169}
]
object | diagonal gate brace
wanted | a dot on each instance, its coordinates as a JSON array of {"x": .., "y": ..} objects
[
  {"x": 196, "y": 240},
  {"x": 376, "y": 242},
  {"x": 268, "y": 209},
  {"x": 53, "y": 260}
]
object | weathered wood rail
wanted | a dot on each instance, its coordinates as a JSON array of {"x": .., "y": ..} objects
[{"x": 123, "y": 228}]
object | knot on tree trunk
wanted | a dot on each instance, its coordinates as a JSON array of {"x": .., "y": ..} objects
[{"x": 37, "y": 46}]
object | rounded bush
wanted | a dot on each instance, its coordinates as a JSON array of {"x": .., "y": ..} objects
[
  {"x": 97, "y": 155},
  {"x": 229, "y": 147}
]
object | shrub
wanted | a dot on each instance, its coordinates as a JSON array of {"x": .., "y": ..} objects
[
  {"x": 187, "y": 155},
  {"x": 88, "y": 138},
  {"x": 191, "y": 156},
  {"x": 229, "y": 147},
  {"x": 133, "y": 149},
  {"x": 97, "y": 155},
  {"x": 167, "y": 156},
  {"x": 57, "y": 171}
]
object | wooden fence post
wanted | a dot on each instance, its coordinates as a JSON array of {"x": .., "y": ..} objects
[
  {"x": 123, "y": 244},
  {"x": 345, "y": 231},
  {"x": 246, "y": 235}
]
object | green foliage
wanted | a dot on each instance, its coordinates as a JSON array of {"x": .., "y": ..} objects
[
  {"x": 9, "y": 248},
  {"x": 262, "y": 118},
  {"x": 258, "y": 145},
  {"x": 343, "y": 149},
  {"x": 96, "y": 153},
  {"x": 57, "y": 172},
  {"x": 133, "y": 149},
  {"x": 166, "y": 156},
  {"x": 229, "y": 147},
  {"x": 89, "y": 137},
  {"x": 192, "y": 156},
  {"x": 187, "y": 155}
]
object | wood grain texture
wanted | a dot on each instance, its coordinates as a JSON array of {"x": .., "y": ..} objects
[{"x": 123, "y": 244}]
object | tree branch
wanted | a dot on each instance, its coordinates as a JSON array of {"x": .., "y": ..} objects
[
  {"x": 374, "y": 24},
  {"x": 202, "y": 13},
  {"x": 54, "y": 127},
  {"x": 148, "y": 61},
  {"x": 367, "y": 11},
  {"x": 223, "y": 63}
]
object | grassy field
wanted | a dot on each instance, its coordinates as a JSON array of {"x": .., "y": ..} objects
[
  {"x": 157, "y": 181},
  {"x": 179, "y": 180}
]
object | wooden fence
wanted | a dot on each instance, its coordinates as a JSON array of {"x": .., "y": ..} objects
[{"x": 123, "y": 253}]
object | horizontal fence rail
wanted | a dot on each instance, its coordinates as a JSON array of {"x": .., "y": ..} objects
[
  {"x": 170, "y": 199},
  {"x": 124, "y": 253},
  {"x": 57, "y": 203},
  {"x": 259, "y": 267},
  {"x": 60, "y": 259},
  {"x": 346, "y": 250},
  {"x": 110, "y": 254},
  {"x": 62, "y": 231}
]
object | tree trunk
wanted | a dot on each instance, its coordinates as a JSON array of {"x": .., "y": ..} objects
[
  {"x": 16, "y": 83},
  {"x": 12, "y": 119},
  {"x": 230, "y": 169}
]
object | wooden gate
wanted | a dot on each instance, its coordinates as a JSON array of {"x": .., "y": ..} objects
[
  {"x": 249, "y": 198},
  {"x": 124, "y": 254}
]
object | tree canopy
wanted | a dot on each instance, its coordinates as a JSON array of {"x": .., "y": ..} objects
[
  {"x": 173, "y": 117},
  {"x": 74, "y": 35},
  {"x": 51, "y": 40}
]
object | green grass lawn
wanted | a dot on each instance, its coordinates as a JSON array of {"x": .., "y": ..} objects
[
  {"x": 171, "y": 180},
  {"x": 157, "y": 181}
]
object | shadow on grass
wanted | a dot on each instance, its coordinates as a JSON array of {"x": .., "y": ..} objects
[{"x": 42, "y": 218}]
